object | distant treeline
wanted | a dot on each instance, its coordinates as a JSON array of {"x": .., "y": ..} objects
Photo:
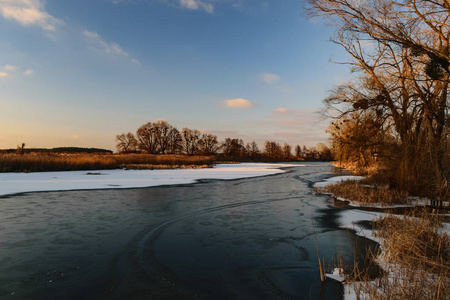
[
  {"x": 162, "y": 138},
  {"x": 56, "y": 150}
]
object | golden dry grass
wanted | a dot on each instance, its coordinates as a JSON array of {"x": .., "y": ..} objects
[
  {"x": 415, "y": 240},
  {"x": 355, "y": 191},
  {"x": 42, "y": 162},
  {"x": 416, "y": 258},
  {"x": 416, "y": 251}
]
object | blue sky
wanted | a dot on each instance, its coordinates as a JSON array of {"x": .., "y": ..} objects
[{"x": 78, "y": 72}]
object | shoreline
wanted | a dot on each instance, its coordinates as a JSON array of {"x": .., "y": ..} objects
[{"x": 353, "y": 218}]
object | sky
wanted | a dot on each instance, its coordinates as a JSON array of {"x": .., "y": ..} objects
[{"x": 79, "y": 72}]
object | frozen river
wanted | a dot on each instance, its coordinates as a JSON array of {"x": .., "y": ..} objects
[{"x": 247, "y": 238}]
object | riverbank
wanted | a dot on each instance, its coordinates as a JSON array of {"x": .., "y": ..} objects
[{"x": 414, "y": 244}]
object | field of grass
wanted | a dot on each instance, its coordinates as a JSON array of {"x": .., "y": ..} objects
[{"x": 43, "y": 162}]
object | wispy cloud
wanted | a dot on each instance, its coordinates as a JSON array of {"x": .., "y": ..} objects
[
  {"x": 274, "y": 80},
  {"x": 109, "y": 48},
  {"x": 238, "y": 103},
  {"x": 197, "y": 5},
  {"x": 10, "y": 68},
  {"x": 205, "y": 5},
  {"x": 269, "y": 78},
  {"x": 281, "y": 112},
  {"x": 28, "y": 12}
]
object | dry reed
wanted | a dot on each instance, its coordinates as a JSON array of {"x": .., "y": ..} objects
[
  {"x": 42, "y": 162},
  {"x": 415, "y": 258},
  {"x": 354, "y": 191}
]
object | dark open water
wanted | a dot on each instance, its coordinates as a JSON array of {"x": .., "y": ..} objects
[{"x": 236, "y": 239}]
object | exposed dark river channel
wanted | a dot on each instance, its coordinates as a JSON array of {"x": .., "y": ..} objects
[{"x": 216, "y": 239}]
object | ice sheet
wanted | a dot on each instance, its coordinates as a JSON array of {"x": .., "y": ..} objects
[{"x": 13, "y": 183}]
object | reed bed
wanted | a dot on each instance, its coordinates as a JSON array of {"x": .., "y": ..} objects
[
  {"x": 43, "y": 162},
  {"x": 367, "y": 194},
  {"x": 415, "y": 258}
]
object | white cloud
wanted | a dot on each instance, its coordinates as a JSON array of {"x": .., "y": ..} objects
[
  {"x": 28, "y": 12},
  {"x": 269, "y": 78},
  {"x": 110, "y": 48},
  {"x": 196, "y": 5},
  {"x": 9, "y": 68},
  {"x": 3, "y": 74},
  {"x": 91, "y": 34},
  {"x": 28, "y": 72},
  {"x": 238, "y": 103}
]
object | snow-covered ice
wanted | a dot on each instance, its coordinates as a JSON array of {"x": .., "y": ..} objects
[{"x": 13, "y": 183}]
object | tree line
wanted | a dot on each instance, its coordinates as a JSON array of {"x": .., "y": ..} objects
[
  {"x": 394, "y": 114},
  {"x": 162, "y": 138}
]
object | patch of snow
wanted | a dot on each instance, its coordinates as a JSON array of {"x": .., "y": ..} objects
[
  {"x": 14, "y": 183},
  {"x": 337, "y": 179},
  {"x": 338, "y": 275},
  {"x": 350, "y": 218}
]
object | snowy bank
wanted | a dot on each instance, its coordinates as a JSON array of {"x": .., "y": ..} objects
[
  {"x": 350, "y": 219},
  {"x": 13, "y": 183}
]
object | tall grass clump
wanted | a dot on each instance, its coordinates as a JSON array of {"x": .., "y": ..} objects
[{"x": 422, "y": 170}]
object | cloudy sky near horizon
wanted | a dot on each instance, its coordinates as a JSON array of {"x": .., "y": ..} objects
[{"x": 78, "y": 72}]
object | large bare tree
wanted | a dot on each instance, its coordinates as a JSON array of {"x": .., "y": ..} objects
[
  {"x": 400, "y": 49},
  {"x": 147, "y": 138},
  {"x": 126, "y": 142}
]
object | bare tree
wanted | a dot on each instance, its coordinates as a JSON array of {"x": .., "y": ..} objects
[
  {"x": 401, "y": 51},
  {"x": 209, "y": 144},
  {"x": 147, "y": 138},
  {"x": 420, "y": 25},
  {"x": 272, "y": 150},
  {"x": 126, "y": 143},
  {"x": 287, "y": 151},
  {"x": 298, "y": 151},
  {"x": 174, "y": 140},
  {"x": 233, "y": 147},
  {"x": 191, "y": 141},
  {"x": 252, "y": 150}
]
